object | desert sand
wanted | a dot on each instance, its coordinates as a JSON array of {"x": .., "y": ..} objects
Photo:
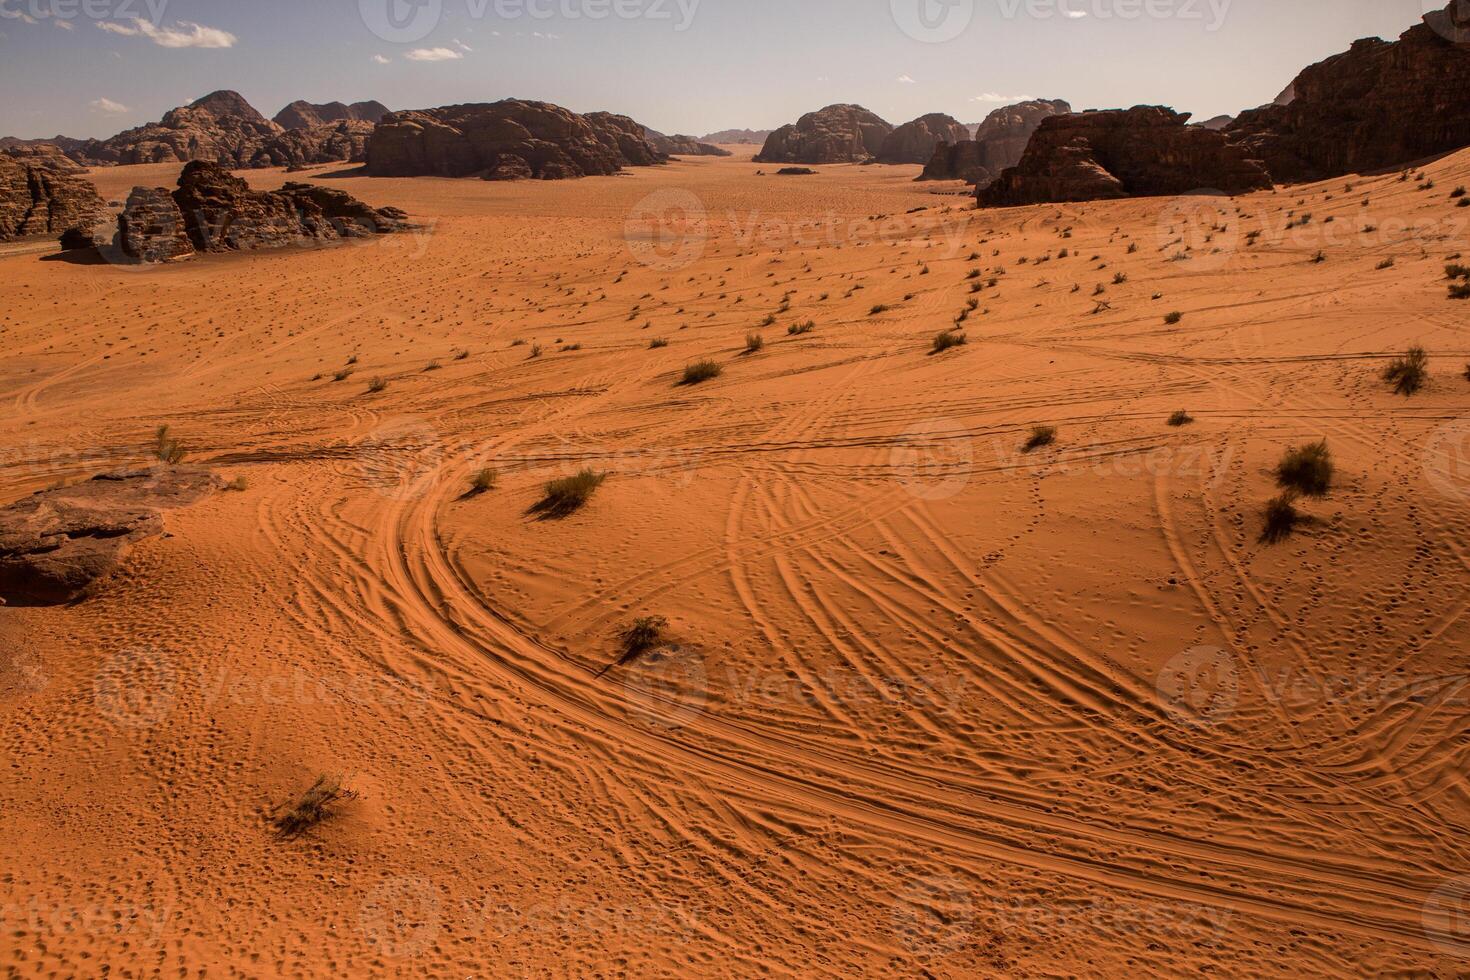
[{"x": 931, "y": 706}]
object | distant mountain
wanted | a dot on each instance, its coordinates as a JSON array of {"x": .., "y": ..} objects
[
  {"x": 836, "y": 134},
  {"x": 1218, "y": 122},
  {"x": 682, "y": 146},
  {"x": 756, "y": 136},
  {"x": 998, "y": 143},
  {"x": 305, "y": 115},
  {"x": 221, "y": 127},
  {"x": 915, "y": 141}
]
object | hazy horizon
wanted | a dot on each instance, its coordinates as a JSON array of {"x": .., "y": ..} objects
[{"x": 93, "y": 68}]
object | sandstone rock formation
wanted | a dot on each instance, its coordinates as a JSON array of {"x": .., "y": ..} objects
[
  {"x": 1146, "y": 150},
  {"x": 733, "y": 136},
  {"x": 1381, "y": 104},
  {"x": 682, "y": 146},
  {"x": 221, "y": 127},
  {"x": 305, "y": 115},
  {"x": 915, "y": 141},
  {"x": 55, "y": 545},
  {"x": 836, "y": 134},
  {"x": 503, "y": 140},
  {"x": 340, "y": 142},
  {"x": 215, "y": 211},
  {"x": 999, "y": 143},
  {"x": 38, "y": 198},
  {"x": 1217, "y": 122},
  {"x": 47, "y": 154},
  {"x": 151, "y": 228},
  {"x": 626, "y": 137}
]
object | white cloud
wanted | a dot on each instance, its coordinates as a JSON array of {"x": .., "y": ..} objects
[
  {"x": 1001, "y": 99},
  {"x": 433, "y": 54},
  {"x": 184, "y": 34},
  {"x": 380, "y": 60},
  {"x": 64, "y": 25},
  {"x": 906, "y": 80},
  {"x": 109, "y": 107}
]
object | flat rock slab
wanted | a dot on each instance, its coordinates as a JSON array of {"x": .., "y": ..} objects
[{"x": 56, "y": 544}]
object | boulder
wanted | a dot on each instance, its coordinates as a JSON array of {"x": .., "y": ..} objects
[
  {"x": 340, "y": 142},
  {"x": 999, "y": 143},
  {"x": 221, "y": 127},
  {"x": 836, "y": 134},
  {"x": 57, "y": 544},
  {"x": 508, "y": 137},
  {"x": 1378, "y": 105},
  {"x": 151, "y": 228},
  {"x": 1143, "y": 151},
  {"x": 915, "y": 142},
  {"x": 38, "y": 199},
  {"x": 305, "y": 115}
]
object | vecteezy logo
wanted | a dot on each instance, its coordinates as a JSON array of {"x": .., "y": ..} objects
[
  {"x": 136, "y": 687},
  {"x": 934, "y": 916},
  {"x": 1199, "y": 226},
  {"x": 400, "y": 459},
  {"x": 1447, "y": 459},
  {"x": 401, "y": 21},
  {"x": 1446, "y": 918},
  {"x": 933, "y": 459},
  {"x": 667, "y": 230},
  {"x": 1201, "y": 686},
  {"x": 401, "y": 917},
  {"x": 933, "y": 21},
  {"x": 666, "y": 688}
]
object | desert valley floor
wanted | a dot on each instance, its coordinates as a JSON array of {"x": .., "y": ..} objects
[{"x": 934, "y": 705}]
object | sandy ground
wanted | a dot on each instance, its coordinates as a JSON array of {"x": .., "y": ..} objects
[{"x": 933, "y": 706}]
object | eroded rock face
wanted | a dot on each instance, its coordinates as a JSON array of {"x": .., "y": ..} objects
[
  {"x": 340, "y": 142},
  {"x": 38, "y": 199},
  {"x": 836, "y": 134},
  {"x": 756, "y": 136},
  {"x": 1143, "y": 151},
  {"x": 305, "y": 115},
  {"x": 502, "y": 140},
  {"x": 1381, "y": 104},
  {"x": 56, "y": 545},
  {"x": 221, "y": 128},
  {"x": 215, "y": 211},
  {"x": 999, "y": 143},
  {"x": 682, "y": 146},
  {"x": 151, "y": 227},
  {"x": 915, "y": 141}
]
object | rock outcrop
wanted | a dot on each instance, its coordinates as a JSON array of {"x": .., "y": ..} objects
[
  {"x": 1217, "y": 122},
  {"x": 733, "y": 136},
  {"x": 56, "y": 545},
  {"x": 915, "y": 141},
  {"x": 504, "y": 141},
  {"x": 340, "y": 142},
  {"x": 46, "y": 154},
  {"x": 999, "y": 143},
  {"x": 38, "y": 199},
  {"x": 836, "y": 134},
  {"x": 1143, "y": 151},
  {"x": 305, "y": 115},
  {"x": 1381, "y": 104},
  {"x": 222, "y": 128},
  {"x": 682, "y": 146},
  {"x": 215, "y": 211}
]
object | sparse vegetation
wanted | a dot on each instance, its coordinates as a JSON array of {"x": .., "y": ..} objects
[
  {"x": 166, "y": 448},
  {"x": 797, "y": 329},
  {"x": 1408, "y": 374},
  {"x": 880, "y": 308},
  {"x": 484, "y": 481},
  {"x": 1282, "y": 518},
  {"x": 1173, "y": 318},
  {"x": 1306, "y": 470},
  {"x": 1385, "y": 264},
  {"x": 657, "y": 343},
  {"x": 569, "y": 494},
  {"x": 376, "y": 385},
  {"x": 946, "y": 340},
  {"x": 643, "y": 634},
  {"x": 239, "y": 484},
  {"x": 1041, "y": 435},
  {"x": 701, "y": 371},
  {"x": 1180, "y": 418},
  {"x": 754, "y": 343},
  {"x": 314, "y": 806}
]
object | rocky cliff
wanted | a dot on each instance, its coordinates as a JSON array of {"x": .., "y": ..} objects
[
  {"x": 38, "y": 199},
  {"x": 1143, "y": 151},
  {"x": 682, "y": 146},
  {"x": 1381, "y": 104},
  {"x": 305, "y": 115},
  {"x": 505, "y": 141},
  {"x": 836, "y": 134},
  {"x": 999, "y": 143},
  {"x": 915, "y": 141},
  {"x": 341, "y": 142},
  {"x": 222, "y": 128}
]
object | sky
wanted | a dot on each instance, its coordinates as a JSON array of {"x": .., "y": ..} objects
[{"x": 91, "y": 68}]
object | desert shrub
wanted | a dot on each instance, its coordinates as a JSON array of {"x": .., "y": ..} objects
[
  {"x": 376, "y": 385},
  {"x": 946, "y": 340},
  {"x": 879, "y": 308},
  {"x": 797, "y": 329},
  {"x": 700, "y": 372},
  {"x": 433, "y": 366},
  {"x": 1281, "y": 518},
  {"x": 1409, "y": 373},
  {"x": 643, "y": 634},
  {"x": 657, "y": 342},
  {"x": 166, "y": 448},
  {"x": 461, "y": 355},
  {"x": 1319, "y": 258},
  {"x": 239, "y": 484},
  {"x": 1455, "y": 270},
  {"x": 1119, "y": 278},
  {"x": 1132, "y": 247},
  {"x": 342, "y": 375},
  {"x": 484, "y": 480},
  {"x": 1385, "y": 264},
  {"x": 569, "y": 494},
  {"x": 754, "y": 342},
  {"x": 1041, "y": 435},
  {"x": 314, "y": 806},
  {"x": 1173, "y": 318},
  {"x": 1306, "y": 469},
  {"x": 1460, "y": 290},
  {"x": 1180, "y": 418},
  {"x": 536, "y": 352}
]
